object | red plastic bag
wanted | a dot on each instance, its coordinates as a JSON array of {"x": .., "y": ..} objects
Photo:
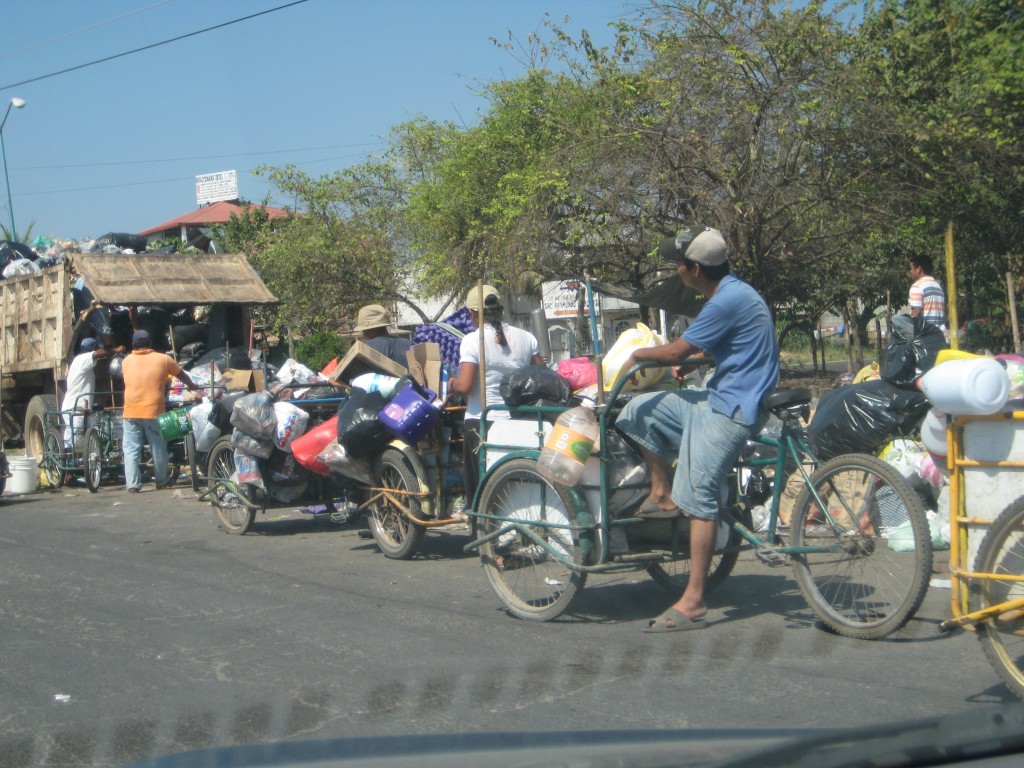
[
  {"x": 305, "y": 449},
  {"x": 580, "y": 371}
]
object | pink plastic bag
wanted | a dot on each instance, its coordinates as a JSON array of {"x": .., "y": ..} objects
[{"x": 580, "y": 372}]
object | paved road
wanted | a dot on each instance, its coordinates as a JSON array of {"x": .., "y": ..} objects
[{"x": 131, "y": 626}]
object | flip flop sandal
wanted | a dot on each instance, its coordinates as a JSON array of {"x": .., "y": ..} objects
[
  {"x": 680, "y": 622},
  {"x": 650, "y": 510}
]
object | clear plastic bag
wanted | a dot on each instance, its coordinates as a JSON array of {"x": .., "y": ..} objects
[
  {"x": 251, "y": 445},
  {"x": 247, "y": 470},
  {"x": 334, "y": 456},
  {"x": 254, "y": 415}
]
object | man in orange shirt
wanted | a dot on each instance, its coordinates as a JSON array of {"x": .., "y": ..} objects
[{"x": 145, "y": 387}]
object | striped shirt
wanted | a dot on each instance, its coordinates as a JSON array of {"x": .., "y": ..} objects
[{"x": 926, "y": 294}]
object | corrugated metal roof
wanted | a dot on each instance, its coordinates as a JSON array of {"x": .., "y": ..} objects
[
  {"x": 216, "y": 278},
  {"x": 217, "y": 213}
]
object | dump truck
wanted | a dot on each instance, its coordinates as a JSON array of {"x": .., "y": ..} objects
[{"x": 41, "y": 327}]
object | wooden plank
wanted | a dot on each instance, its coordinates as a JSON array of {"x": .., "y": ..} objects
[{"x": 157, "y": 279}]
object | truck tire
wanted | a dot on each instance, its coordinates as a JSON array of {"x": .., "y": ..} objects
[{"x": 35, "y": 424}]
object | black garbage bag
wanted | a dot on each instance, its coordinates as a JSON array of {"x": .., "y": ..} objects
[
  {"x": 360, "y": 430},
  {"x": 533, "y": 383},
  {"x": 220, "y": 414},
  {"x": 861, "y": 418},
  {"x": 911, "y": 351},
  {"x": 238, "y": 359},
  {"x": 125, "y": 241}
]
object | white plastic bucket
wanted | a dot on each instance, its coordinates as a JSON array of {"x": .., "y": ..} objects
[
  {"x": 933, "y": 432},
  {"x": 24, "y": 475},
  {"x": 967, "y": 387}
]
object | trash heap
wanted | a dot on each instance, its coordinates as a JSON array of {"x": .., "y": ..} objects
[{"x": 21, "y": 259}]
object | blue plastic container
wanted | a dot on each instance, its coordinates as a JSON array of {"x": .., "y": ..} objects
[{"x": 411, "y": 414}]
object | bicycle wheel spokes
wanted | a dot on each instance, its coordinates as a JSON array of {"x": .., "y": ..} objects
[
  {"x": 1002, "y": 637},
  {"x": 868, "y": 550},
  {"x": 524, "y": 565}
]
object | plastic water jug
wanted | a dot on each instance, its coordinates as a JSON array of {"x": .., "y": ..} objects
[
  {"x": 967, "y": 387},
  {"x": 174, "y": 424},
  {"x": 568, "y": 447},
  {"x": 933, "y": 432},
  {"x": 411, "y": 414}
]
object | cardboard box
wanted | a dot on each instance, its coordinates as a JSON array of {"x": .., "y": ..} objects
[
  {"x": 250, "y": 380},
  {"x": 425, "y": 365},
  {"x": 362, "y": 358}
]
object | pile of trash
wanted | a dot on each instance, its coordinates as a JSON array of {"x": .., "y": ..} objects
[{"x": 21, "y": 259}]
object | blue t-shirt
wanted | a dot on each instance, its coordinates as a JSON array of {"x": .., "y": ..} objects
[{"x": 736, "y": 329}]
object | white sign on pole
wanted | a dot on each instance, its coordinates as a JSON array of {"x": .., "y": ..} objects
[
  {"x": 561, "y": 299},
  {"x": 213, "y": 187}
]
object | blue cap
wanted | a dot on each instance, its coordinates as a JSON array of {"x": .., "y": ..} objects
[
  {"x": 88, "y": 345},
  {"x": 141, "y": 339}
]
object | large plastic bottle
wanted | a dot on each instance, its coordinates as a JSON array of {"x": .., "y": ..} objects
[
  {"x": 967, "y": 387},
  {"x": 933, "y": 432},
  {"x": 568, "y": 446}
]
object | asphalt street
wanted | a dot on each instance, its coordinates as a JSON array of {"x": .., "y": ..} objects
[{"x": 133, "y": 626}]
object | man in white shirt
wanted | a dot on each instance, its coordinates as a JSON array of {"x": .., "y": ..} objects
[{"x": 81, "y": 386}]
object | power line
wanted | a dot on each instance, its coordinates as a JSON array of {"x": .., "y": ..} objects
[
  {"x": 83, "y": 29},
  {"x": 195, "y": 157},
  {"x": 164, "y": 181},
  {"x": 153, "y": 45}
]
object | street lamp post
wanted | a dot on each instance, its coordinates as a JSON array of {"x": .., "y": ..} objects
[{"x": 19, "y": 103}]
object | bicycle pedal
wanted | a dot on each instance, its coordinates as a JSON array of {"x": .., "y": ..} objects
[{"x": 770, "y": 557}]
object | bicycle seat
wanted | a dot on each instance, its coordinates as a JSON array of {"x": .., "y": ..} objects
[{"x": 782, "y": 400}]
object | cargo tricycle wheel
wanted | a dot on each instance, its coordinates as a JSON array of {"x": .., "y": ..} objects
[
  {"x": 92, "y": 459},
  {"x": 396, "y": 535},
  {"x": 674, "y": 575},
  {"x": 532, "y": 582},
  {"x": 234, "y": 515},
  {"x": 53, "y": 458}
]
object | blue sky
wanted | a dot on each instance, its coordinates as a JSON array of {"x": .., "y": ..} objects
[{"x": 116, "y": 146}]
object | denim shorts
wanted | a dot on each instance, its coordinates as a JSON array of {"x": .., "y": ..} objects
[{"x": 680, "y": 424}]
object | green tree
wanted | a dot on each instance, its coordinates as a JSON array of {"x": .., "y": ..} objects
[{"x": 947, "y": 78}]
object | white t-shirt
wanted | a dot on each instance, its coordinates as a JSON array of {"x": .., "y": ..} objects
[
  {"x": 522, "y": 346},
  {"x": 81, "y": 381}
]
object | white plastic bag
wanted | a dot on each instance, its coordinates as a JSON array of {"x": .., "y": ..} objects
[
  {"x": 903, "y": 455},
  {"x": 616, "y": 362},
  {"x": 20, "y": 267},
  {"x": 295, "y": 373},
  {"x": 203, "y": 431},
  {"x": 291, "y": 423}
]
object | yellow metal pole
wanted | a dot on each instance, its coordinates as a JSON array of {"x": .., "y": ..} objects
[{"x": 954, "y": 322}]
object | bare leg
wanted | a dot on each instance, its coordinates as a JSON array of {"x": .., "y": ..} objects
[
  {"x": 661, "y": 481},
  {"x": 703, "y": 535}
]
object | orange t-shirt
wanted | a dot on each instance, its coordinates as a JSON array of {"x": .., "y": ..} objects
[{"x": 145, "y": 382}]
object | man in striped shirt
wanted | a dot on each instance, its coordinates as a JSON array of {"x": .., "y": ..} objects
[{"x": 927, "y": 299}]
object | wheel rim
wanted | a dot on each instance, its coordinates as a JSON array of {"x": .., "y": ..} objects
[
  {"x": 524, "y": 572},
  {"x": 53, "y": 460},
  {"x": 1004, "y": 634},
  {"x": 389, "y": 522},
  {"x": 231, "y": 509},
  {"x": 93, "y": 460},
  {"x": 868, "y": 581}
]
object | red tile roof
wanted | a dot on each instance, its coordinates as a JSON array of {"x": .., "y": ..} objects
[{"x": 217, "y": 213}]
